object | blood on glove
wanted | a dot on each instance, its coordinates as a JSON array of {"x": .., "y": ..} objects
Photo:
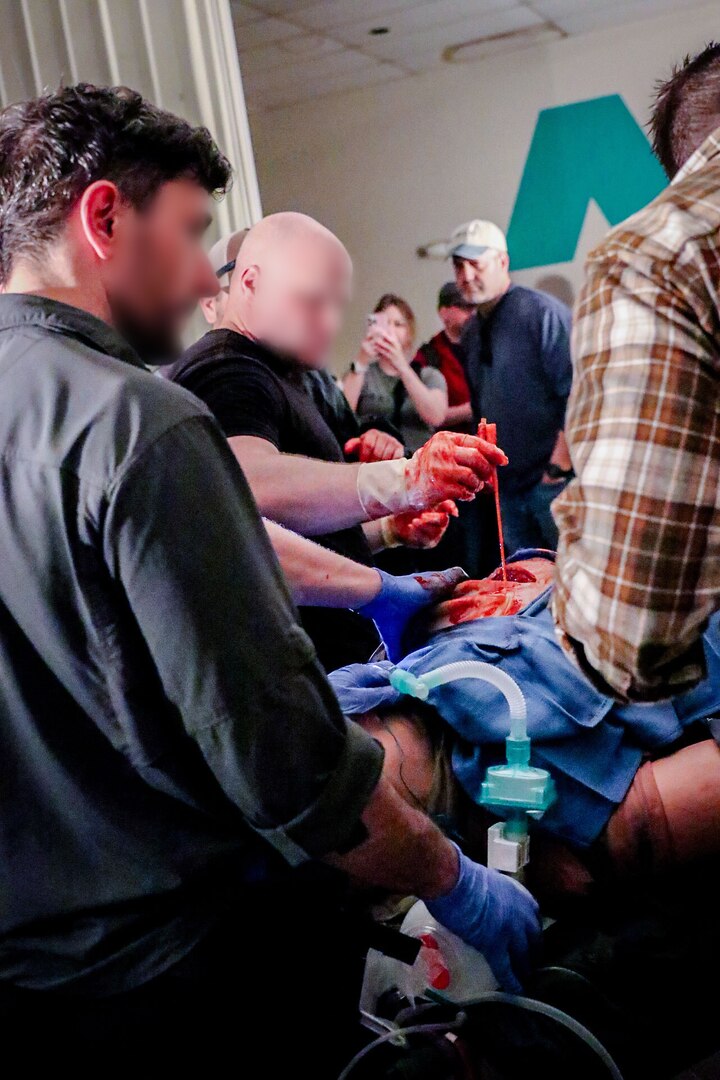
[
  {"x": 374, "y": 445},
  {"x": 450, "y": 466},
  {"x": 423, "y": 529}
]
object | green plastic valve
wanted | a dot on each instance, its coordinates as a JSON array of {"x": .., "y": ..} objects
[{"x": 517, "y": 785}]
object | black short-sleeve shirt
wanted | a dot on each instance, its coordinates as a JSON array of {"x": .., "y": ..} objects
[{"x": 253, "y": 391}]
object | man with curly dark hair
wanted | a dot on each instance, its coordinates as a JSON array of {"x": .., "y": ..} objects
[{"x": 181, "y": 798}]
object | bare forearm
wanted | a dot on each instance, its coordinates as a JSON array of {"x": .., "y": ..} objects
[
  {"x": 318, "y": 577},
  {"x": 561, "y": 453},
  {"x": 311, "y": 497},
  {"x": 405, "y": 851},
  {"x": 458, "y": 414},
  {"x": 430, "y": 404}
]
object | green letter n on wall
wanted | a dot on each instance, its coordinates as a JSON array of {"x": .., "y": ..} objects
[{"x": 589, "y": 150}]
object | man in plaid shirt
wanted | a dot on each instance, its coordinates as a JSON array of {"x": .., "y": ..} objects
[{"x": 638, "y": 571}]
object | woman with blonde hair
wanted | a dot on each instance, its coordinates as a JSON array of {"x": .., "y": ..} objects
[{"x": 385, "y": 387}]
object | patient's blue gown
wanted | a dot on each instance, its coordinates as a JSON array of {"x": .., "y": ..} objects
[{"x": 591, "y": 745}]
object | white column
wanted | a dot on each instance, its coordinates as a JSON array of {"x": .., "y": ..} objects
[{"x": 181, "y": 54}]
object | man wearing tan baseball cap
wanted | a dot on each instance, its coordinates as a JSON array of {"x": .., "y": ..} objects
[
  {"x": 222, "y": 256},
  {"x": 474, "y": 238},
  {"x": 517, "y": 360}
]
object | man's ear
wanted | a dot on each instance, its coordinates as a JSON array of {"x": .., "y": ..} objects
[
  {"x": 505, "y": 260},
  {"x": 100, "y": 205},
  {"x": 207, "y": 306},
  {"x": 250, "y": 279}
]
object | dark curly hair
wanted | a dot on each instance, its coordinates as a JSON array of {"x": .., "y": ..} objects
[
  {"x": 56, "y": 145},
  {"x": 687, "y": 108}
]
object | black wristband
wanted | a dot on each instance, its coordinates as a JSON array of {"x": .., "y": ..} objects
[{"x": 556, "y": 473}]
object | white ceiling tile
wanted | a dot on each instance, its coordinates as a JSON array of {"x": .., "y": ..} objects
[
  {"x": 407, "y": 45},
  {"x": 341, "y": 83},
  {"x": 281, "y": 7},
  {"x": 433, "y": 14},
  {"x": 265, "y": 59},
  {"x": 580, "y": 16},
  {"x": 263, "y": 32},
  {"x": 283, "y": 54},
  {"x": 426, "y": 61},
  {"x": 565, "y": 7},
  {"x": 326, "y": 67},
  {"x": 293, "y": 50},
  {"x": 308, "y": 46},
  {"x": 244, "y": 13},
  {"x": 353, "y": 79},
  {"x": 329, "y": 14}
]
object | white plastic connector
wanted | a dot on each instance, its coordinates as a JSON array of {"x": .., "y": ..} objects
[{"x": 507, "y": 855}]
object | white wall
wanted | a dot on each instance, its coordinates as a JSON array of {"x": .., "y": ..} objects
[{"x": 396, "y": 165}]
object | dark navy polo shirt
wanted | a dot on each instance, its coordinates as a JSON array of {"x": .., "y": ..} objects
[{"x": 517, "y": 361}]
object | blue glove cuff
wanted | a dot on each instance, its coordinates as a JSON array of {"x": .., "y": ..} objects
[
  {"x": 369, "y": 610},
  {"x": 465, "y": 901}
]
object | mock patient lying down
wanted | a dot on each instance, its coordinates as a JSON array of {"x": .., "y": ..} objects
[{"x": 633, "y": 798}]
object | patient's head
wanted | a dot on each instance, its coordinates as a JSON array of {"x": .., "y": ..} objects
[
  {"x": 291, "y": 287},
  {"x": 417, "y": 762},
  {"x": 526, "y": 580}
]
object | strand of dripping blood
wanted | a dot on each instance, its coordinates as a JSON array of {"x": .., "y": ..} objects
[{"x": 489, "y": 433}]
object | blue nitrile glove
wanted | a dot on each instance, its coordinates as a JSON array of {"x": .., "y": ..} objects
[
  {"x": 362, "y": 688},
  {"x": 400, "y": 598},
  {"x": 496, "y": 915}
]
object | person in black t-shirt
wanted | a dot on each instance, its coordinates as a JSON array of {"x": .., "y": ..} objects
[{"x": 258, "y": 372}]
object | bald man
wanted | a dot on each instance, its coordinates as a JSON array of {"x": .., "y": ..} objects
[{"x": 262, "y": 373}]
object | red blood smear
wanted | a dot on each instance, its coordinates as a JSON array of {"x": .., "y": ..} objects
[
  {"x": 434, "y": 581},
  {"x": 437, "y": 972},
  {"x": 513, "y": 573},
  {"x": 489, "y": 433},
  {"x": 481, "y": 606},
  {"x": 429, "y": 941}
]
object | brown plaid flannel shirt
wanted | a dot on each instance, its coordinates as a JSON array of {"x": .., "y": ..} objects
[{"x": 638, "y": 571}]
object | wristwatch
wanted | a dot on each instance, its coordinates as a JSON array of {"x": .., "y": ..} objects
[
  {"x": 357, "y": 368},
  {"x": 556, "y": 473}
]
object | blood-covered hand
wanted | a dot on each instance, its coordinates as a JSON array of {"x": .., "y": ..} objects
[
  {"x": 374, "y": 445},
  {"x": 493, "y": 596},
  {"x": 423, "y": 529},
  {"x": 450, "y": 466},
  {"x": 476, "y": 600}
]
